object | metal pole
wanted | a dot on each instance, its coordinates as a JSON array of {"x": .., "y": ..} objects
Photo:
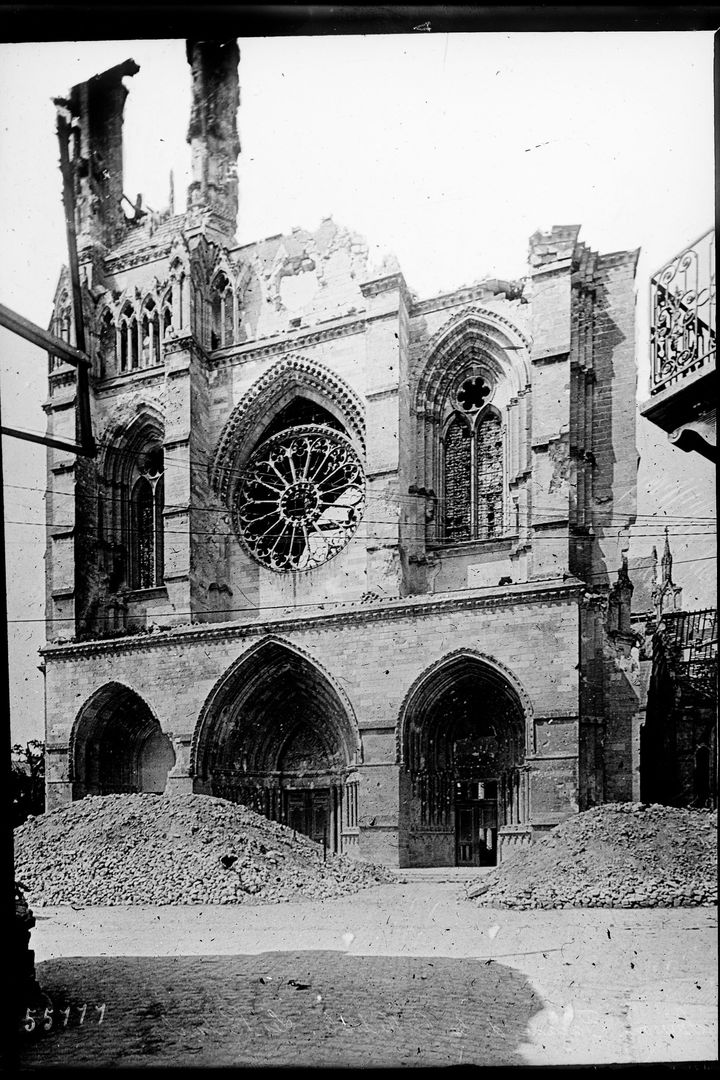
[
  {"x": 84, "y": 425},
  {"x": 21, "y": 326},
  {"x": 46, "y": 440}
]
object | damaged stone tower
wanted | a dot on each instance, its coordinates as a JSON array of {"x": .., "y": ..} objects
[{"x": 345, "y": 552}]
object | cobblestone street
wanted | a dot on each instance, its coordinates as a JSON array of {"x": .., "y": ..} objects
[{"x": 405, "y": 974}]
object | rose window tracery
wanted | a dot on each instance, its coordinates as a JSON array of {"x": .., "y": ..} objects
[{"x": 300, "y": 498}]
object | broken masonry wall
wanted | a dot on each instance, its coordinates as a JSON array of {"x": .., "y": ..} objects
[
  {"x": 613, "y": 693},
  {"x": 613, "y": 444}
]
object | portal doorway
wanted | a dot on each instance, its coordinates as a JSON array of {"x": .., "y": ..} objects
[
  {"x": 310, "y": 812},
  {"x": 476, "y": 823},
  {"x": 461, "y": 781},
  {"x": 118, "y": 747}
]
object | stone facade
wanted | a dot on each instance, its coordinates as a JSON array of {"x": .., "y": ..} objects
[{"x": 265, "y": 593}]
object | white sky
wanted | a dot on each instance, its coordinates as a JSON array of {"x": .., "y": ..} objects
[{"x": 447, "y": 150}]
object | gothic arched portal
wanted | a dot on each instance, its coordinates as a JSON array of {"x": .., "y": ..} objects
[
  {"x": 118, "y": 746},
  {"x": 276, "y": 735},
  {"x": 462, "y": 749}
]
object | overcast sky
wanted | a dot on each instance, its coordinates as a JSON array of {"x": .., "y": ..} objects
[{"x": 446, "y": 150}]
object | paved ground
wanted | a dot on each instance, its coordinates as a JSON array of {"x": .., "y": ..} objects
[{"x": 403, "y": 974}]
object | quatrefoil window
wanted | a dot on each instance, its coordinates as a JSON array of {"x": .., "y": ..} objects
[{"x": 473, "y": 394}]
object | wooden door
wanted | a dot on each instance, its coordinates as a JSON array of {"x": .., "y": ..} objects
[{"x": 476, "y": 824}]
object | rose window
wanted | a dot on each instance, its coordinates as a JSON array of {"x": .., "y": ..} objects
[{"x": 300, "y": 498}]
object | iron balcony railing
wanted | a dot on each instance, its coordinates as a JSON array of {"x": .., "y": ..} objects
[
  {"x": 682, "y": 331},
  {"x": 690, "y": 641}
]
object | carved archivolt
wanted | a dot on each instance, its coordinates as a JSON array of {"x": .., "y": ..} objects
[
  {"x": 474, "y": 338},
  {"x": 232, "y": 695},
  {"x": 293, "y": 376},
  {"x": 125, "y": 421},
  {"x": 101, "y": 704},
  {"x": 442, "y": 674}
]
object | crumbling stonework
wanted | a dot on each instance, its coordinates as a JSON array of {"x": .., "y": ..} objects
[{"x": 300, "y": 399}]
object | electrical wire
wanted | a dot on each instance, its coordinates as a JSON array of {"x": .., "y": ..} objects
[{"x": 322, "y": 604}]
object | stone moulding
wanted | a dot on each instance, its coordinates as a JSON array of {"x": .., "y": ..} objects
[
  {"x": 242, "y": 354},
  {"x": 392, "y": 610},
  {"x": 293, "y": 372}
]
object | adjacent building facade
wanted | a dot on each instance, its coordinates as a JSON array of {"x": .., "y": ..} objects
[{"x": 344, "y": 553}]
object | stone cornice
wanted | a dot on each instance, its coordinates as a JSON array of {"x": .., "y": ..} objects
[
  {"x": 383, "y": 392},
  {"x": 156, "y": 373},
  {"x": 556, "y": 591},
  {"x": 285, "y": 342},
  {"x": 459, "y": 296},
  {"x": 387, "y": 283},
  {"x": 146, "y": 254}
]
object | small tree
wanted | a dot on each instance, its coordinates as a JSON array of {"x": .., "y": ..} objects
[{"x": 28, "y": 780}]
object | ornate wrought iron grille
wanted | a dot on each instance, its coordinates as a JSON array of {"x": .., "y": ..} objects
[
  {"x": 682, "y": 333},
  {"x": 300, "y": 498}
]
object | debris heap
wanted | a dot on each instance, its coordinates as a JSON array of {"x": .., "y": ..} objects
[
  {"x": 617, "y": 855},
  {"x": 182, "y": 849}
]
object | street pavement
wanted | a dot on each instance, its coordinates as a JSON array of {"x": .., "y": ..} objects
[{"x": 405, "y": 974}]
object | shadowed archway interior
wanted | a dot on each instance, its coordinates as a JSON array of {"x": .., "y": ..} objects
[
  {"x": 118, "y": 746},
  {"x": 463, "y": 747},
  {"x": 275, "y": 735}
]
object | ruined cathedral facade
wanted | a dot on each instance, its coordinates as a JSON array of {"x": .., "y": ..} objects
[{"x": 347, "y": 555}]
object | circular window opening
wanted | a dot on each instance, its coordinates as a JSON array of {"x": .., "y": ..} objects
[
  {"x": 150, "y": 461},
  {"x": 473, "y": 393},
  {"x": 300, "y": 498}
]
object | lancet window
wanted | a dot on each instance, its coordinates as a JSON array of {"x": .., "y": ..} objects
[
  {"x": 150, "y": 334},
  {"x": 222, "y": 329},
  {"x": 146, "y": 522},
  {"x": 130, "y": 510},
  {"x": 107, "y": 344},
  {"x": 167, "y": 313},
  {"x": 62, "y": 325},
  {"x": 129, "y": 351},
  {"x": 472, "y": 466}
]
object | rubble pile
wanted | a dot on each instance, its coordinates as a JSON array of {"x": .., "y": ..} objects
[
  {"x": 618, "y": 855},
  {"x": 182, "y": 849}
]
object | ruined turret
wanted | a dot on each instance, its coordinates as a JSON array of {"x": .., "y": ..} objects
[
  {"x": 212, "y": 133},
  {"x": 95, "y": 113}
]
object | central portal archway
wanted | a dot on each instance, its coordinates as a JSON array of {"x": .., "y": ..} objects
[
  {"x": 276, "y": 735},
  {"x": 462, "y": 747}
]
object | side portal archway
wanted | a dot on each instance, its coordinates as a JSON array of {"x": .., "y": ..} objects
[
  {"x": 277, "y": 735},
  {"x": 462, "y": 743},
  {"x": 117, "y": 746}
]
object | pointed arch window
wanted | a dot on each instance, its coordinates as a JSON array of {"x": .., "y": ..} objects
[
  {"x": 107, "y": 344},
  {"x": 146, "y": 522},
  {"x": 222, "y": 329},
  {"x": 473, "y": 473},
  {"x": 128, "y": 339},
  {"x": 167, "y": 313},
  {"x": 62, "y": 326},
  {"x": 150, "y": 334}
]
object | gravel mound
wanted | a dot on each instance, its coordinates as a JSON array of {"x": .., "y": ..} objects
[
  {"x": 618, "y": 855},
  {"x": 181, "y": 849}
]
